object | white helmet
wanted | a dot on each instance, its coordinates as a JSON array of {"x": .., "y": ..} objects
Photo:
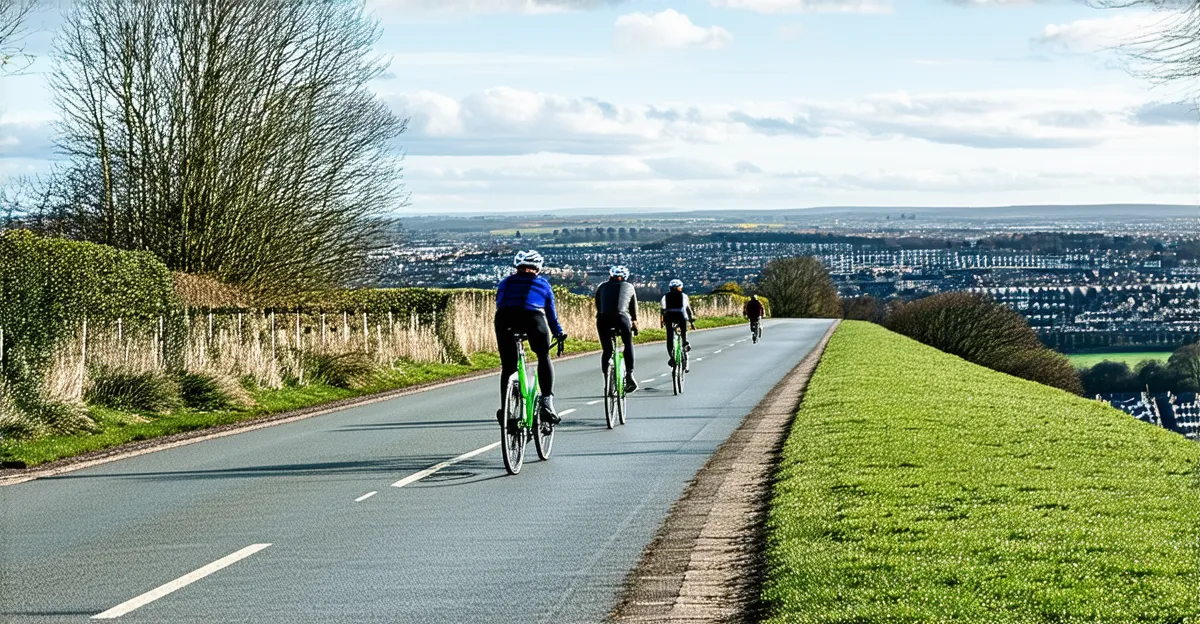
[
  {"x": 675, "y": 284},
  {"x": 619, "y": 271},
  {"x": 529, "y": 258}
]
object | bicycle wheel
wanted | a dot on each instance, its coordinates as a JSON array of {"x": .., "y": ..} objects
[
  {"x": 513, "y": 432},
  {"x": 621, "y": 411},
  {"x": 610, "y": 396},
  {"x": 543, "y": 434}
]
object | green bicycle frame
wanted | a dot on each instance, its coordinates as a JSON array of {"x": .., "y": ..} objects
[
  {"x": 527, "y": 390},
  {"x": 619, "y": 364}
]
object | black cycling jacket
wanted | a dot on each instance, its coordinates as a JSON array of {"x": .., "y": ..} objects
[
  {"x": 616, "y": 297},
  {"x": 677, "y": 302}
]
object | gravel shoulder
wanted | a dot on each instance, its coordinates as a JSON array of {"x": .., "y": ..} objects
[{"x": 706, "y": 564}]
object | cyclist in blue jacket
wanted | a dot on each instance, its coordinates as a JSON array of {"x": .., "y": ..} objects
[{"x": 525, "y": 305}]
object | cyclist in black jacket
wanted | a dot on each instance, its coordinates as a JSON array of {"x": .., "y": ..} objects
[
  {"x": 616, "y": 313},
  {"x": 677, "y": 311}
]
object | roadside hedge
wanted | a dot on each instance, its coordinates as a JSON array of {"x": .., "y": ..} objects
[{"x": 49, "y": 285}]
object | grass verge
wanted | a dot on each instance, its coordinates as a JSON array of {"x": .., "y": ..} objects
[
  {"x": 917, "y": 487},
  {"x": 116, "y": 427},
  {"x": 1088, "y": 360}
]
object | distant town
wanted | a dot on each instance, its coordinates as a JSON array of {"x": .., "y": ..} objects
[{"x": 1086, "y": 277}]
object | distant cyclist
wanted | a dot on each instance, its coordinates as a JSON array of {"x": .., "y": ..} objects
[
  {"x": 616, "y": 309},
  {"x": 525, "y": 305},
  {"x": 754, "y": 311},
  {"x": 677, "y": 312}
]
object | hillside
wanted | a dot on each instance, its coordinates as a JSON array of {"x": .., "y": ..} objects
[{"x": 917, "y": 487}]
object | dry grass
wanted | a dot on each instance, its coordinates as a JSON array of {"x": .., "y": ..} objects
[
  {"x": 199, "y": 291},
  {"x": 274, "y": 348}
]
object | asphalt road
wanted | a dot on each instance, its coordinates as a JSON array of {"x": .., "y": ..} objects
[{"x": 465, "y": 544}]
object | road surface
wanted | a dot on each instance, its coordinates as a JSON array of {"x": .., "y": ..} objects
[{"x": 302, "y": 522}]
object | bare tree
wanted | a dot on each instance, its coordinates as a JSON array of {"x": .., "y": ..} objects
[
  {"x": 799, "y": 287},
  {"x": 234, "y": 138},
  {"x": 14, "y": 15},
  {"x": 1169, "y": 51}
]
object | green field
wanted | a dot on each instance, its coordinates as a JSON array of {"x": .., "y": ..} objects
[
  {"x": 917, "y": 487},
  {"x": 1132, "y": 358},
  {"x": 114, "y": 428}
]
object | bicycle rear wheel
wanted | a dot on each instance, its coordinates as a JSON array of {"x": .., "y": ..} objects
[
  {"x": 621, "y": 408},
  {"x": 512, "y": 431},
  {"x": 610, "y": 396},
  {"x": 543, "y": 433}
]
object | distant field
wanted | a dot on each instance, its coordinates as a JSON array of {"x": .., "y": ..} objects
[
  {"x": 918, "y": 487},
  {"x": 1084, "y": 360}
]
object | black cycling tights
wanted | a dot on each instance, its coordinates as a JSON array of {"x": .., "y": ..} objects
[
  {"x": 533, "y": 324},
  {"x": 605, "y": 324}
]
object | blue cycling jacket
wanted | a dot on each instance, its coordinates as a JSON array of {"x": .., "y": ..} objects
[{"x": 529, "y": 291}]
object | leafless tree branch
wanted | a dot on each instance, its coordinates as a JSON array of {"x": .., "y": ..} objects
[{"x": 235, "y": 138}]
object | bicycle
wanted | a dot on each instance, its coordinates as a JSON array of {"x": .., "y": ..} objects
[
  {"x": 756, "y": 330},
  {"x": 679, "y": 357},
  {"x": 523, "y": 416},
  {"x": 614, "y": 386}
]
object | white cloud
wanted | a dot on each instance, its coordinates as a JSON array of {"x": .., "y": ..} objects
[
  {"x": 504, "y": 120},
  {"x": 667, "y": 29},
  {"x": 808, "y": 6},
  {"x": 1090, "y": 35}
]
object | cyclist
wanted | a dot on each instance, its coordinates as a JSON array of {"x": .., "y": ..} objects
[
  {"x": 754, "y": 311},
  {"x": 677, "y": 311},
  {"x": 525, "y": 305},
  {"x": 616, "y": 309}
]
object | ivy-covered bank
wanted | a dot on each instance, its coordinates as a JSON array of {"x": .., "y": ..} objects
[{"x": 49, "y": 290}]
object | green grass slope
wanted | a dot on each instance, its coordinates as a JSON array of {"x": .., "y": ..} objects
[{"x": 917, "y": 487}]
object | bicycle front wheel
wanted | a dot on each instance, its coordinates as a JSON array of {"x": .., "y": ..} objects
[
  {"x": 610, "y": 396},
  {"x": 513, "y": 431},
  {"x": 543, "y": 435}
]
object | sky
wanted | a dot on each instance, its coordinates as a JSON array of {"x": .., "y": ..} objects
[{"x": 701, "y": 104}]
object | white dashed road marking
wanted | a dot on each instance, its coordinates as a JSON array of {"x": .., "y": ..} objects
[
  {"x": 417, "y": 476},
  {"x": 183, "y": 581},
  {"x": 365, "y": 497}
]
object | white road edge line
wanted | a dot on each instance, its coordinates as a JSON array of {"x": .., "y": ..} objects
[
  {"x": 647, "y": 380},
  {"x": 565, "y": 412},
  {"x": 365, "y": 497},
  {"x": 594, "y": 402},
  {"x": 183, "y": 581},
  {"x": 417, "y": 476}
]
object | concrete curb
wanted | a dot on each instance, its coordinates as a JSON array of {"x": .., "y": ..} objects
[
  {"x": 13, "y": 476},
  {"x": 706, "y": 562}
]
